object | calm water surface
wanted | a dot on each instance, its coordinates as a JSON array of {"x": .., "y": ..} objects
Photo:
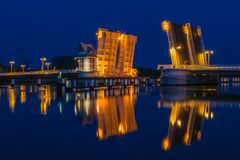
[{"x": 138, "y": 123}]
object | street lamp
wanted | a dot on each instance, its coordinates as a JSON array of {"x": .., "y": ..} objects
[
  {"x": 209, "y": 53},
  {"x": 47, "y": 64},
  {"x": 23, "y": 67},
  {"x": 43, "y": 59},
  {"x": 11, "y": 65}
]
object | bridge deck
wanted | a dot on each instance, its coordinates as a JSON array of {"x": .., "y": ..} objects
[
  {"x": 203, "y": 69},
  {"x": 199, "y": 67}
]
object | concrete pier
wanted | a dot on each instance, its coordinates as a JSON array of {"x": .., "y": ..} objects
[{"x": 199, "y": 76}]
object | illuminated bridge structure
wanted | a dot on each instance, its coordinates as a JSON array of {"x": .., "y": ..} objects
[
  {"x": 190, "y": 61},
  {"x": 71, "y": 79},
  {"x": 186, "y": 45},
  {"x": 199, "y": 75}
]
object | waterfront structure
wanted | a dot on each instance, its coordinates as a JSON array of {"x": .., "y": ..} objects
[
  {"x": 86, "y": 58},
  {"x": 186, "y": 44},
  {"x": 190, "y": 60},
  {"x": 115, "y": 53}
]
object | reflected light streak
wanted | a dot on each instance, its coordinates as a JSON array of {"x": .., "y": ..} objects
[
  {"x": 186, "y": 122},
  {"x": 23, "y": 95},
  {"x": 45, "y": 98},
  {"x": 12, "y": 98}
]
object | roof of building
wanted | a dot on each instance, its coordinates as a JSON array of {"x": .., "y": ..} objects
[{"x": 86, "y": 50}]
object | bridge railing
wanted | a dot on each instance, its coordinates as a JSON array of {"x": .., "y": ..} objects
[
  {"x": 198, "y": 67},
  {"x": 29, "y": 73},
  {"x": 68, "y": 71},
  {"x": 39, "y": 72}
]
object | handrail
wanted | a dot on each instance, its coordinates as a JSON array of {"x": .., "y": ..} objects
[
  {"x": 39, "y": 72},
  {"x": 198, "y": 67},
  {"x": 29, "y": 73}
]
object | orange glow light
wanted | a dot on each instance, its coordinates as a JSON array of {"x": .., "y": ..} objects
[{"x": 165, "y": 26}]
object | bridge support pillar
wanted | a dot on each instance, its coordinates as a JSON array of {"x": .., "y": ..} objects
[
  {"x": 110, "y": 82},
  {"x": 92, "y": 83},
  {"x": 96, "y": 83},
  {"x": 68, "y": 85},
  {"x": 105, "y": 82},
  {"x": 125, "y": 82},
  {"x": 86, "y": 83},
  {"x": 129, "y": 81},
  {"x": 39, "y": 81},
  {"x": 136, "y": 81},
  {"x": 74, "y": 83},
  {"x": 12, "y": 82}
]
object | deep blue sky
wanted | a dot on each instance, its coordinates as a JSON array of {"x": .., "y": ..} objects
[{"x": 35, "y": 28}]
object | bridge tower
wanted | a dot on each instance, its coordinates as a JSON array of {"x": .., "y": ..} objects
[
  {"x": 115, "y": 53},
  {"x": 185, "y": 44}
]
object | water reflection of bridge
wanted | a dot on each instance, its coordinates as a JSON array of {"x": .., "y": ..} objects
[
  {"x": 216, "y": 96},
  {"x": 190, "y": 107},
  {"x": 115, "y": 114},
  {"x": 186, "y": 123},
  {"x": 112, "y": 110}
]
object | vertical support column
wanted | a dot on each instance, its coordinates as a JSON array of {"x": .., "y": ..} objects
[
  {"x": 125, "y": 82},
  {"x": 121, "y": 82},
  {"x": 136, "y": 81},
  {"x": 12, "y": 82},
  {"x": 110, "y": 82},
  {"x": 129, "y": 81},
  {"x": 86, "y": 83},
  {"x": 105, "y": 82},
  {"x": 96, "y": 83},
  {"x": 68, "y": 85},
  {"x": 39, "y": 81},
  {"x": 74, "y": 84},
  {"x": 92, "y": 84},
  {"x": 114, "y": 82}
]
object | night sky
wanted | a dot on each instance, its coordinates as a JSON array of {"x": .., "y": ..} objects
[{"x": 30, "y": 29}]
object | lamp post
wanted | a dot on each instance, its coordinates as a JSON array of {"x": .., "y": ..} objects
[
  {"x": 48, "y": 65},
  {"x": 43, "y": 59},
  {"x": 208, "y": 53},
  {"x": 11, "y": 65},
  {"x": 23, "y": 67}
]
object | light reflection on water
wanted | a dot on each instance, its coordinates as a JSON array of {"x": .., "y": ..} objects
[{"x": 114, "y": 110}]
